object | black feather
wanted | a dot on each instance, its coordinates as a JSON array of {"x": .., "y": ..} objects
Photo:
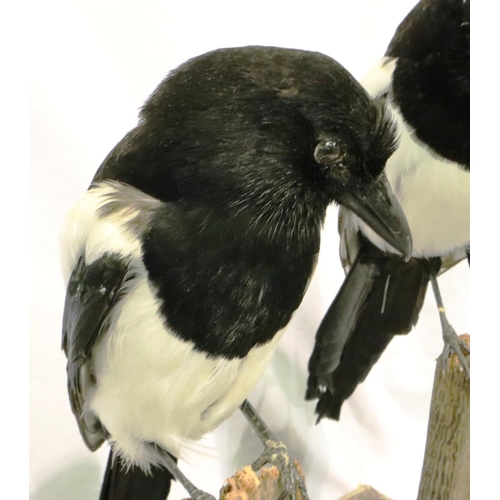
[
  {"x": 123, "y": 483},
  {"x": 382, "y": 296}
]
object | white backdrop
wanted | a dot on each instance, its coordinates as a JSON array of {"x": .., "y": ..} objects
[{"x": 94, "y": 62}]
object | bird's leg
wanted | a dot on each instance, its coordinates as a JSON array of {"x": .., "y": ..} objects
[
  {"x": 169, "y": 463},
  {"x": 275, "y": 453},
  {"x": 450, "y": 337}
]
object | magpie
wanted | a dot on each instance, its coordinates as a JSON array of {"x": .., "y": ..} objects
[
  {"x": 196, "y": 240},
  {"x": 424, "y": 78}
]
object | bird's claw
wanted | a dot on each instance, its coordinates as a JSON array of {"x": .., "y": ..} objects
[
  {"x": 276, "y": 453},
  {"x": 454, "y": 344}
]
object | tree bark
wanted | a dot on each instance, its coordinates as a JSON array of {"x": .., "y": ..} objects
[{"x": 445, "y": 472}]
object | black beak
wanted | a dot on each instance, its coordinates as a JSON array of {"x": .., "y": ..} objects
[{"x": 377, "y": 206}]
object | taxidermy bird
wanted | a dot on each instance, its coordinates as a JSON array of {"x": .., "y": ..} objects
[
  {"x": 196, "y": 241},
  {"x": 424, "y": 77}
]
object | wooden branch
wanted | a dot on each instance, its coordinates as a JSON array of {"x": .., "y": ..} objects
[{"x": 445, "y": 472}]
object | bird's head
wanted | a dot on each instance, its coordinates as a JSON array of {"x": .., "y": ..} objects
[
  {"x": 274, "y": 133},
  {"x": 352, "y": 158},
  {"x": 331, "y": 133}
]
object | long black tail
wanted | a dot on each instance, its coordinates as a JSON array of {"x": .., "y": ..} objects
[
  {"x": 133, "y": 484},
  {"x": 381, "y": 296}
]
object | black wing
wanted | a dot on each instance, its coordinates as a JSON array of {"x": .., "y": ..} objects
[
  {"x": 93, "y": 290},
  {"x": 381, "y": 297}
]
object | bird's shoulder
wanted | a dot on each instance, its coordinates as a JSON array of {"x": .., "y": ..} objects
[{"x": 225, "y": 281}]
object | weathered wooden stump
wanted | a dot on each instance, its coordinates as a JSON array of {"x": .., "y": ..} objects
[{"x": 445, "y": 472}]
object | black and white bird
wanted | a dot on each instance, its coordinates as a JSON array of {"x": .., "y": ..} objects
[
  {"x": 424, "y": 77},
  {"x": 195, "y": 243}
]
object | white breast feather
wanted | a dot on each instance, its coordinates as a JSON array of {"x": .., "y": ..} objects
[{"x": 154, "y": 387}]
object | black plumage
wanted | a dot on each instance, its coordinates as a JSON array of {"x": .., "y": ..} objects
[{"x": 431, "y": 84}]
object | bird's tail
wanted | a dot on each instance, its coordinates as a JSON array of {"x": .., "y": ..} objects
[
  {"x": 382, "y": 296},
  {"x": 134, "y": 484}
]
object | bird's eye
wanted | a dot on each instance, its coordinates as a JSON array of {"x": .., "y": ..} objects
[{"x": 328, "y": 152}]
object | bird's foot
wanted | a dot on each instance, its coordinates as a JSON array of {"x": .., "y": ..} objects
[
  {"x": 170, "y": 463},
  {"x": 454, "y": 344},
  {"x": 275, "y": 453},
  {"x": 451, "y": 340}
]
